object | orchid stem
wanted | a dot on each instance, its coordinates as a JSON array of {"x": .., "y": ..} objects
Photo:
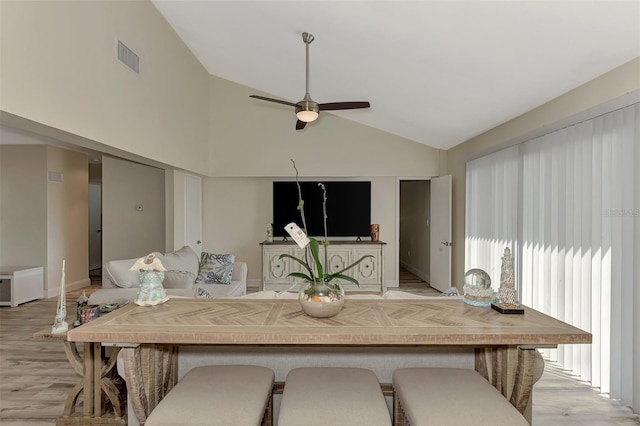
[
  {"x": 324, "y": 218},
  {"x": 304, "y": 222}
]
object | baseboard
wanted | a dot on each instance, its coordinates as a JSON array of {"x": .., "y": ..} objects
[
  {"x": 54, "y": 292},
  {"x": 418, "y": 273},
  {"x": 391, "y": 283},
  {"x": 254, "y": 285}
]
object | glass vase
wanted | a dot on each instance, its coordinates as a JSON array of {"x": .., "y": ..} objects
[{"x": 321, "y": 300}]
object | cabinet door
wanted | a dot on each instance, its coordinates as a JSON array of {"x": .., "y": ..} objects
[
  {"x": 275, "y": 269},
  {"x": 296, "y": 266},
  {"x": 367, "y": 271},
  {"x": 338, "y": 259}
]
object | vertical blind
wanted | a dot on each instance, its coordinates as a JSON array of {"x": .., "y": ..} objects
[{"x": 567, "y": 203}]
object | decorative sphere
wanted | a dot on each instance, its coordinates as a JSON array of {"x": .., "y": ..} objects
[
  {"x": 477, "y": 279},
  {"x": 477, "y": 288}
]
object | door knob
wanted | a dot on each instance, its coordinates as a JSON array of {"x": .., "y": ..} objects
[
  {"x": 198, "y": 242},
  {"x": 446, "y": 243}
]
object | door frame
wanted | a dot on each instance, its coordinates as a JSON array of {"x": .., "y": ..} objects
[
  {"x": 189, "y": 177},
  {"x": 397, "y": 260}
]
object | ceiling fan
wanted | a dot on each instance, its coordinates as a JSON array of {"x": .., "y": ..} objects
[{"x": 307, "y": 109}]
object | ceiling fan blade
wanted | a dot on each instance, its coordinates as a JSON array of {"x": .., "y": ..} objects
[
  {"x": 278, "y": 101},
  {"x": 332, "y": 106},
  {"x": 300, "y": 124}
]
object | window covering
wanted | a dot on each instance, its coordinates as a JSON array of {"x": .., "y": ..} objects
[{"x": 568, "y": 204}]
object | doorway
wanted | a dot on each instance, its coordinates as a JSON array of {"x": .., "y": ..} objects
[
  {"x": 415, "y": 232},
  {"x": 95, "y": 220},
  {"x": 424, "y": 232}
]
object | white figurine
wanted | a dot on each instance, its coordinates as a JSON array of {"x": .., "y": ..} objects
[
  {"x": 60, "y": 323},
  {"x": 151, "y": 276},
  {"x": 507, "y": 291}
]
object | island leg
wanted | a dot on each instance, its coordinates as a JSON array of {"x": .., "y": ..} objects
[
  {"x": 513, "y": 371},
  {"x": 97, "y": 377},
  {"x": 150, "y": 372}
]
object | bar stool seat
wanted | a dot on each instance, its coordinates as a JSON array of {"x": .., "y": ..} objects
[
  {"x": 449, "y": 397},
  {"x": 220, "y": 395},
  {"x": 322, "y": 396}
]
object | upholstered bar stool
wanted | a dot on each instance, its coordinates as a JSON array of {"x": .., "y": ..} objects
[
  {"x": 323, "y": 396},
  {"x": 449, "y": 397},
  {"x": 220, "y": 395}
]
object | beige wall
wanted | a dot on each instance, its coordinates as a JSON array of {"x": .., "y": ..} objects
[
  {"x": 23, "y": 205},
  {"x": 59, "y": 68},
  {"x": 67, "y": 219},
  {"x": 127, "y": 232},
  {"x": 256, "y": 138},
  {"x": 253, "y": 143},
  {"x": 572, "y": 106},
  {"x": 236, "y": 211},
  {"x": 415, "y": 230},
  {"x": 43, "y": 222}
]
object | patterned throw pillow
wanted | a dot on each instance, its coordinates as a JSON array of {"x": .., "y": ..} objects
[
  {"x": 215, "y": 268},
  {"x": 204, "y": 294}
]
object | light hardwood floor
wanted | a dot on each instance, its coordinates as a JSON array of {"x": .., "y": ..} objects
[{"x": 35, "y": 376}]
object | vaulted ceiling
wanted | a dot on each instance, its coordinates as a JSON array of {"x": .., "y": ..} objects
[{"x": 436, "y": 72}]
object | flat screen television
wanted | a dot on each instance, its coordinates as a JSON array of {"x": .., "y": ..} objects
[{"x": 348, "y": 208}]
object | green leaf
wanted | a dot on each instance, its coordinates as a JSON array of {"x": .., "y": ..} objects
[
  {"x": 300, "y": 275},
  {"x": 343, "y": 277},
  {"x": 300, "y": 261},
  {"x": 315, "y": 249},
  {"x": 353, "y": 264}
]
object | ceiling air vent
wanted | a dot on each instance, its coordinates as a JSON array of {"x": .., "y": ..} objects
[{"x": 128, "y": 57}]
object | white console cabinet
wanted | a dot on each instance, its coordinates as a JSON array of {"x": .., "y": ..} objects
[
  {"x": 20, "y": 284},
  {"x": 340, "y": 254}
]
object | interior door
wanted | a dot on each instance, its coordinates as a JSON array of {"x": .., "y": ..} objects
[
  {"x": 193, "y": 212},
  {"x": 441, "y": 233}
]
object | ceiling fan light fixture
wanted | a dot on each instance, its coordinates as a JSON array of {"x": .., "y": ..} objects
[
  {"x": 307, "y": 116},
  {"x": 307, "y": 111}
]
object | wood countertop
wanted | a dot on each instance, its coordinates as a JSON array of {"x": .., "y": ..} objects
[{"x": 360, "y": 323}]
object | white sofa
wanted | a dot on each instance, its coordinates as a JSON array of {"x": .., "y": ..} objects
[{"x": 119, "y": 282}]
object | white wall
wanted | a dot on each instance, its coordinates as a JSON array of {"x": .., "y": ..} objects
[
  {"x": 236, "y": 211},
  {"x": 415, "y": 230},
  {"x": 126, "y": 232}
]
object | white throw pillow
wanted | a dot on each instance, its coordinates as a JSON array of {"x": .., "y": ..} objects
[
  {"x": 178, "y": 279},
  {"x": 185, "y": 260},
  {"x": 119, "y": 273}
]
